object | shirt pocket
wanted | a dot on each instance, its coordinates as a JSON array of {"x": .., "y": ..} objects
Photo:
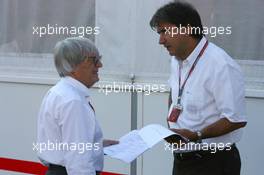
[{"x": 193, "y": 106}]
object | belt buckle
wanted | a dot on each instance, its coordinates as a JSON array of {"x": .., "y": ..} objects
[{"x": 193, "y": 156}]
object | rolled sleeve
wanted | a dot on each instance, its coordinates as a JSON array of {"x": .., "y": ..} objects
[{"x": 229, "y": 93}]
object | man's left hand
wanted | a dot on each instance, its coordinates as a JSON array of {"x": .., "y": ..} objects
[{"x": 192, "y": 136}]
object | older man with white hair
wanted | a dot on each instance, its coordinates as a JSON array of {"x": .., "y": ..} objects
[{"x": 68, "y": 131}]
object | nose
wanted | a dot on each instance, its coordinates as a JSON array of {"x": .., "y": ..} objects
[
  {"x": 162, "y": 39},
  {"x": 99, "y": 64}
]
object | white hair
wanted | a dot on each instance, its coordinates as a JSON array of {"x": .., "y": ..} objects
[{"x": 71, "y": 52}]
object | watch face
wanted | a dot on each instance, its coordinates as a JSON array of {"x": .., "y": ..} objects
[{"x": 199, "y": 133}]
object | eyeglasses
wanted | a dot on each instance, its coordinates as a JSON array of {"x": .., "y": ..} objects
[{"x": 96, "y": 59}]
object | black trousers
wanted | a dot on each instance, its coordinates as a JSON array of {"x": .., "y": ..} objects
[
  {"x": 59, "y": 170},
  {"x": 225, "y": 162}
]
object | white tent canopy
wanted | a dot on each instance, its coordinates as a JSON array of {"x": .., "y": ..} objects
[{"x": 124, "y": 37}]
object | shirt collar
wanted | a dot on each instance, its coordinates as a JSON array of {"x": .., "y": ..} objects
[
  {"x": 192, "y": 57},
  {"x": 78, "y": 85}
]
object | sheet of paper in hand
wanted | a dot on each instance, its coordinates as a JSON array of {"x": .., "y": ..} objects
[{"x": 137, "y": 142}]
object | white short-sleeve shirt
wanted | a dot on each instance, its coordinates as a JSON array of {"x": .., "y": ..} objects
[{"x": 214, "y": 90}]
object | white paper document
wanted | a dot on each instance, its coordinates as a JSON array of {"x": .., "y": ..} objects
[{"x": 136, "y": 142}]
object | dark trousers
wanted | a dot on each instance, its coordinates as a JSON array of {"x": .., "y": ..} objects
[
  {"x": 225, "y": 162},
  {"x": 56, "y": 170},
  {"x": 59, "y": 170}
]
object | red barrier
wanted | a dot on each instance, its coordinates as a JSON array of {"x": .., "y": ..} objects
[
  {"x": 22, "y": 166},
  {"x": 28, "y": 167}
]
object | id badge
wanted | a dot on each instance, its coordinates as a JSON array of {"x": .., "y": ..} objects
[{"x": 175, "y": 113}]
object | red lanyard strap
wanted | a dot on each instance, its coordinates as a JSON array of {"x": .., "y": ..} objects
[{"x": 190, "y": 72}]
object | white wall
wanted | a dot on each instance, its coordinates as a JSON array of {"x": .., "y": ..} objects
[
  {"x": 20, "y": 103},
  {"x": 252, "y": 143}
]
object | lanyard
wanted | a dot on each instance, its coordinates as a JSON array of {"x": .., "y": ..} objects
[{"x": 190, "y": 72}]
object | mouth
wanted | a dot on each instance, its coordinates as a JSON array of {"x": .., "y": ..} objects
[{"x": 168, "y": 47}]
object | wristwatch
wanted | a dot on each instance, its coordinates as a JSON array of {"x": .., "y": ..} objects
[{"x": 199, "y": 134}]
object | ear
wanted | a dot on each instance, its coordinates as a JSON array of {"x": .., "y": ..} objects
[{"x": 74, "y": 73}]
